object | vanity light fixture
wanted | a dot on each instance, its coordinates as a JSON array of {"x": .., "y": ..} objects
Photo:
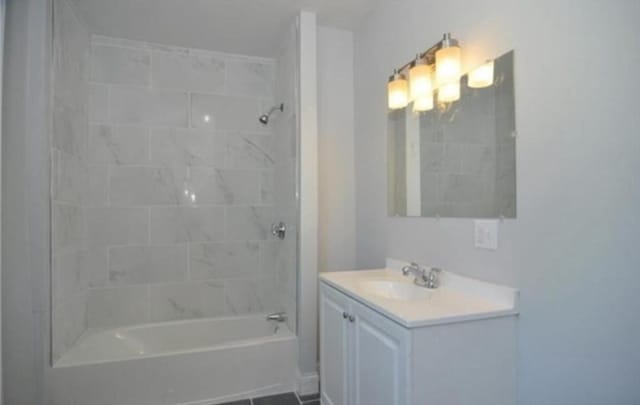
[
  {"x": 398, "y": 91},
  {"x": 448, "y": 61},
  {"x": 445, "y": 56},
  {"x": 420, "y": 79},
  {"x": 449, "y": 92},
  {"x": 421, "y": 86},
  {"x": 424, "y": 103},
  {"x": 482, "y": 76}
]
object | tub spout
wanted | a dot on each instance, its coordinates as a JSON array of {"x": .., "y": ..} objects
[{"x": 277, "y": 317}]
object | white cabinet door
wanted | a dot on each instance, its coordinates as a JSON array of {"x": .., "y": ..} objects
[
  {"x": 380, "y": 359},
  {"x": 334, "y": 343}
]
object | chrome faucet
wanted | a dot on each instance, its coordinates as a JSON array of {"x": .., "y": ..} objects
[
  {"x": 277, "y": 318},
  {"x": 422, "y": 278}
]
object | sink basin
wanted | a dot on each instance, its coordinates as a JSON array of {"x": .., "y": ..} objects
[{"x": 394, "y": 290}]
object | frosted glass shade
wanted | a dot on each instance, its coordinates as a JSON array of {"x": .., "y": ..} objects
[
  {"x": 447, "y": 65},
  {"x": 449, "y": 92},
  {"x": 482, "y": 76},
  {"x": 420, "y": 81},
  {"x": 423, "y": 103},
  {"x": 398, "y": 92}
]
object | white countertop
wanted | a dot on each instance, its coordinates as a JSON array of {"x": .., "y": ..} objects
[{"x": 457, "y": 299}]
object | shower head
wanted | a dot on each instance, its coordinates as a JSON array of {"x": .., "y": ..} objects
[{"x": 264, "y": 118}]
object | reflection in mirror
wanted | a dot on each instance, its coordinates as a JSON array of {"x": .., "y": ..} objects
[{"x": 457, "y": 160}]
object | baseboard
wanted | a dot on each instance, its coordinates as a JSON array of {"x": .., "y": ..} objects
[{"x": 308, "y": 383}]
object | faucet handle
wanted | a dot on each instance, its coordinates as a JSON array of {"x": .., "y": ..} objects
[
  {"x": 432, "y": 278},
  {"x": 411, "y": 266}
]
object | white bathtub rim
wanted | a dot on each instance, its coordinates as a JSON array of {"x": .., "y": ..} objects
[
  {"x": 95, "y": 330},
  {"x": 283, "y": 335}
]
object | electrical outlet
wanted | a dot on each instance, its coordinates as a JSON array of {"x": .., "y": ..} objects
[{"x": 485, "y": 233}]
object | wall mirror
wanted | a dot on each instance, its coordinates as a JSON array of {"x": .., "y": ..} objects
[{"x": 458, "y": 159}]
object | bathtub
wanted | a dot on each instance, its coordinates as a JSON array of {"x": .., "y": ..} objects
[{"x": 190, "y": 362}]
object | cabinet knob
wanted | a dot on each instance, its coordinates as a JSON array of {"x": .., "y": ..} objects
[
  {"x": 345, "y": 315},
  {"x": 352, "y": 318}
]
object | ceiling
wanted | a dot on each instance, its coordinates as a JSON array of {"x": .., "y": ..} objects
[{"x": 250, "y": 27}]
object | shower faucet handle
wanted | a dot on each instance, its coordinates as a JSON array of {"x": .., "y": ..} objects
[{"x": 279, "y": 230}]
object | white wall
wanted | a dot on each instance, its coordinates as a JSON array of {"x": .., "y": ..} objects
[
  {"x": 573, "y": 250},
  {"x": 336, "y": 167},
  {"x": 25, "y": 202}
]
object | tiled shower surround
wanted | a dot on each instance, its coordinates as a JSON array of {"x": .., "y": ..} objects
[
  {"x": 69, "y": 177},
  {"x": 181, "y": 184},
  {"x": 171, "y": 189}
]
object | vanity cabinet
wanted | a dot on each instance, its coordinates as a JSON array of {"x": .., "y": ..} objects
[
  {"x": 366, "y": 358},
  {"x": 363, "y": 355}
]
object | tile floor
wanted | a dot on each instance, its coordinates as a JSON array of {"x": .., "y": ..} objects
[{"x": 289, "y": 398}]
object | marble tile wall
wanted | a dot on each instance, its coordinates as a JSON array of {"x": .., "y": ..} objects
[
  {"x": 280, "y": 184},
  {"x": 180, "y": 196},
  {"x": 69, "y": 177}
]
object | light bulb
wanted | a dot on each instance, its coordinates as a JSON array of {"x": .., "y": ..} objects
[
  {"x": 482, "y": 76},
  {"x": 420, "y": 80},
  {"x": 448, "y": 61},
  {"x": 398, "y": 91},
  {"x": 423, "y": 103},
  {"x": 449, "y": 92}
]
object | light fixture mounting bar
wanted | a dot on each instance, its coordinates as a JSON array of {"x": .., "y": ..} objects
[{"x": 430, "y": 54}]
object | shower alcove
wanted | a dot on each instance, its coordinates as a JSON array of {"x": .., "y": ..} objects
[{"x": 164, "y": 189}]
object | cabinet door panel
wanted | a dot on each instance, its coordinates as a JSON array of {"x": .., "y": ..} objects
[
  {"x": 380, "y": 359},
  {"x": 333, "y": 346}
]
